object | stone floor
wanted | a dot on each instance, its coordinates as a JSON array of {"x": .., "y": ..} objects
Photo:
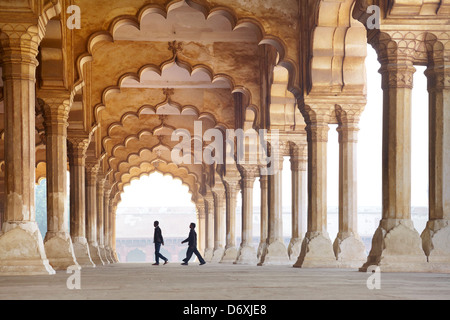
[{"x": 223, "y": 282}]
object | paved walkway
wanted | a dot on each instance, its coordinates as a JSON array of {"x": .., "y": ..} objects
[{"x": 223, "y": 282}]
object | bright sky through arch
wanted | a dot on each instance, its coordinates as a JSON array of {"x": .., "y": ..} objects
[{"x": 156, "y": 190}]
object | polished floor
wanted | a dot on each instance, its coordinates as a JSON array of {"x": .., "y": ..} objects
[{"x": 223, "y": 282}]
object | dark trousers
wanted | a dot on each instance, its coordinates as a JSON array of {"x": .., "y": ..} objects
[
  {"x": 190, "y": 252},
  {"x": 157, "y": 254}
]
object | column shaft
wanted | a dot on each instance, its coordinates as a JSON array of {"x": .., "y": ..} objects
[
  {"x": 317, "y": 249},
  {"x": 77, "y": 154},
  {"x": 247, "y": 253},
  {"x": 348, "y": 247},
  {"x": 437, "y": 232},
  {"x": 21, "y": 245},
  {"x": 58, "y": 243},
  {"x": 401, "y": 250}
]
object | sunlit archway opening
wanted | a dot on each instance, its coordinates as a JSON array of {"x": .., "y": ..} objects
[{"x": 153, "y": 198}]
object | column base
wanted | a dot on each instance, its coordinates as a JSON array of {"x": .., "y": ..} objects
[
  {"x": 261, "y": 249},
  {"x": 103, "y": 255},
  {"x": 246, "y": 256},
  {"x": 115, "y": 256},
  {"x": 349, "y": 250},
  {"x": 436, "y": 245},
  {"x": 274, "y": 254},
  {"x": 218, "y": 255},
  {"x": 230, "y": 255},
  {"x": 396, "y": 247},
  {"x": 317, "y": 252},
  {"x": 209, "y": 253},
  {"x": 294, "y": 249},
  {"x": 82, "y": 254},
  {"x": 59, "y": 249},
  {"x": 94, "y": 250},
  {"x": 22, "y": 250},
  {"x": 109, "y": 255}
]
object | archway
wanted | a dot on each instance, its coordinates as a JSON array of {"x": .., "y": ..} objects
[{"x": 154, "y": 197}]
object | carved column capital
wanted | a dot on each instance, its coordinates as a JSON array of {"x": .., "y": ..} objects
[{"x": 249, "y": 174}]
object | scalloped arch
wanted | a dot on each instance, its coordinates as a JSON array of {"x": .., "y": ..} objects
[{"x": 229, "y": 14}]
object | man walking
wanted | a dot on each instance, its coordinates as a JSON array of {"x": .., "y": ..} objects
[
  {"x": 158, "y": 240},
  {"x": 192, "y": 249}
]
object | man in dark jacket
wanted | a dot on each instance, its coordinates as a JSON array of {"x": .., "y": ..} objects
[
  {"x": 158, "y": 240},
  {"x": 192, "y": 249}
]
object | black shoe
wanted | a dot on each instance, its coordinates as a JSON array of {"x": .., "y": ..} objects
[
  {"x": 203, "y": 263},
  {"x": 184, "y": 264},
  {"x": 166, "y": 262},
  {"x": 155, "y": 264}
]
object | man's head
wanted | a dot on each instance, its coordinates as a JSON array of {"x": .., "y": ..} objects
[
  {"x": 192, "y": 225},
  {"x": 156, "y": 223}
]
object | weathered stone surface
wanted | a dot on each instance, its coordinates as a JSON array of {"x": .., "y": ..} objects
[
  {"x": 22, "y": 250},
  {"x": 397, "y": 247},
  {"x": 317, "y": 252}
]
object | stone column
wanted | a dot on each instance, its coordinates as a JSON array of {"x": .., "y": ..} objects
[
  {"x": 113, "y": 210},
  {"x": 264, "y": 186},
  {"x": 317, "y": 249},
  {"x": 435, "y": 237},
  {"x": 348, "y": 247},
  {"x": 101, "y": 217},
  {"x": 299, "y": 162},
  {"x": 107, "y": 221},
  {"x": 231, "y": 190},
  {"x": 57, "y": 242},
  {"x": 77, "y": 145},
  {"x": 201, "y": 226},
  {"x": 209, "y": 208},
  {"x": 91, "y": 212},
  {"x": 396, "y": 245},
  {"x": 219, "y": 222},
  {"x": 21, "y": 245},
  {"x": 275, "y": 252},
  {"x": 247, "y": 252}
]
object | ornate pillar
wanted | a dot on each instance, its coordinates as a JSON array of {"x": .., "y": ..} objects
[
  {"x": 101, "y": 217},
  {"x": 231, "y": 182},
  {"x": 219, "y": 221},
  {"x": 201, "y": 226},
  {"x": 275, "y": 252},
  {"x": 91, "y": 212},
  {"x": 317, "y": 249},
  {"x": 21, "y": 245},
  {"x": 77, "y": 146},
  {"x": 113, "y": 210},
  {"x": 299, "y": 162},
  {"x": 435, "y": 237},
  {"x": 264, "y": 186},
  {"x": 396, "y": 245},
  {"x": 247, "y": 253},
  {"x": 107, "y": 221},
  {"x": 348, "y": 247},
  {"x": 57, "y": 242},
  {"x": 209, "y": 209}
]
